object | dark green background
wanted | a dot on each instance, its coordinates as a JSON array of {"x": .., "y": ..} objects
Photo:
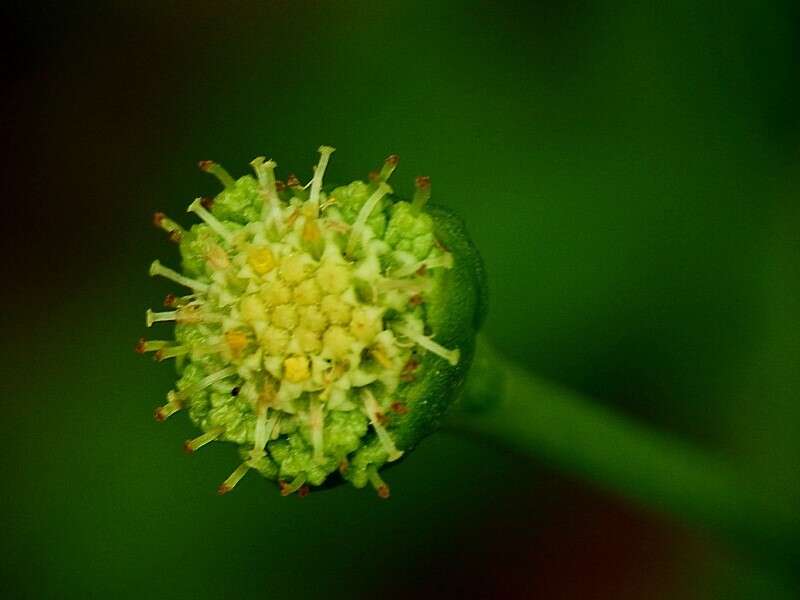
[{"x": 628, "y": 169}]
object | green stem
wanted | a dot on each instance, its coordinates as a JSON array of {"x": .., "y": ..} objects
[{"x": 587, "y": 439}]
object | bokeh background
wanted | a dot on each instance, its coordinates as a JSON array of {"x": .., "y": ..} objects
[{"x": 629, "y": 170}]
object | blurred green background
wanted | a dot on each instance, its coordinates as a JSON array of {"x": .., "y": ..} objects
[{"x": 628, "y": 169}]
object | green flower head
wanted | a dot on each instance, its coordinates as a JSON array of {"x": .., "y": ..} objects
[{"x": 325, "y": 330}]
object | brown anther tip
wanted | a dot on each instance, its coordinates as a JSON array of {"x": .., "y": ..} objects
[
  {"x": 159, "y": 355},
  {"x": 382, "y": 418},
  {"x": 303, "y": 491},
  {"x": 383, "y": 491},
  {"x": 415, "y": 300},
  {"x": 140, "y": 346},
  {"x": 374, "y": 176},
  {"x": 159, "y": 415},
  {"x": 205, "y": 165},
  {"x": 422, "y": 182},
  {"x": 344, "y": 466},
  {"x": 392, "y": 160},
  {"x": 223, "y": 489},
  {"x": 279, "y": 185},
  {"x": 283, "y": 486},
  {"x": 207, "y": 202},
  {"x": 187, "y": 447},
  {"x": 158, "y": 218},
  {"x": 422, "y": 270},
  {"x": 292, "y": 180},
  {"x": 399, "y": 408},
  {"x": 175, "y": 236},
  {"x": 170, "y": 300}
]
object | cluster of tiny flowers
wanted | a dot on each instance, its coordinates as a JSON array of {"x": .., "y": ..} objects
[{"x": 305, "y": 318}]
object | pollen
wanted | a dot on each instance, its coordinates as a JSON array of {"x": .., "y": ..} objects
[
  {"x": 261, "y": 259},
  {"x": 236, "y": 340},
  {"x": 295, "y": 369}
]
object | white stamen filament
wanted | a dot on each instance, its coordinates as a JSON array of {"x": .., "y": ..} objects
[
  {"x": 363, "y": 215},
  {"x": 450, "y": 356},
  {"x": 197, "y": 208},
  {"x": 158, "y": 269},
  {"x": 372, "y": 408},
  {"x": 316, "y": 183},
  {"x": 444, "y": 261}
]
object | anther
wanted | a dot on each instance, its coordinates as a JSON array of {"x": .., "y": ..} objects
[
  {"x": 234, "y": 478},
  {"x": 316, "y": 183},
  {"x": 291, "y": 488},
  {"x": 144, "y": 345},
  {"x": 399, "y": 408},
  {"x": 422, "y": 193},
  {"x": 171, "y": 352},
  {"x": 209, "y": 166},
  {"x": 389, "y": 165},
  {"x": 156, "y": 268},
  {"x": 373, "y": 413},
  {"x": 174, "y": 230},
  {"x": 162, "y": 413},
  {"x": 377, "y": 483},
  {"x": 363, "y": 215},
  {"x": 197, "y": 208},
  {"x": 303, "y": 491},
  {"x": 191, "y": 446}
]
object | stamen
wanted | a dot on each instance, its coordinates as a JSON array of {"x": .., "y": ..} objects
[
  {"x": 234, "y": 478},
  {"x": 378, "y": 483},
  {"x": 158, "y": 269},
  {"x": 160, "y": 317},
  {"x": 363, "y": 215},
  {"x": 144, "y": 345},
  {"x": 443, "y": 260},
  {"x": 451, "y": 356},
  {"x": 422, "y": 194},
  {"x": 389, "y": 165},
  {"x": 265, "y": 171},
  {"x": 209, "y": 166},
  {"x": 206, "y": 381},
  {"x": 191, "y": 446},
  {"x": 171, "y": 352},
  {"x": 316, "y": 183},
  {"x": 174, "y": 230},
  {"x": 373, "y": 413},
  {"x": 162, "y": 413},
  {"x": 197, "y": 208},
  {"x": 290, "y": 488},
  {"x": 316, "y": 422}
]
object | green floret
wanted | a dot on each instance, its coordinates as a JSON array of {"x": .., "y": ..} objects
[
  {"x": 240, "y": 204},
  {"x": 349, "y": 200},
  {"x": 193, "y": 249},
  {"x": 371, "y": 454},
  {"x": 410, "y": 231}
]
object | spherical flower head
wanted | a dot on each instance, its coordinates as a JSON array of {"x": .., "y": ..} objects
[{"x": 325, "y": 331}]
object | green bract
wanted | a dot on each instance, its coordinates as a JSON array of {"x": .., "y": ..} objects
[{"x": 326, "y": 331}]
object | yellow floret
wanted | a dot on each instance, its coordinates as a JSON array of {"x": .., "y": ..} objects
[
  {"x": 366, "y": 323},
  {"x": 312, "y": 318},
  {"x": 285, "y": 316},
  {"x": 276, "y": 293},
  {"x": 295, "y": 369},
  {"x": 261, "y": 259},
  {"x": 274, "y": 340},
  {"x": 333, "y": 278},
  {"x": 307, "y": 292},
  {"x": 295, "y": 268},
  {"x": 309, "y": 341},
  {"x": 236, "y": 340},
  {"x": 337, "y": 311},
  {"x": 337, "y": 342},
  {"x": 252, "y": 309}
]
